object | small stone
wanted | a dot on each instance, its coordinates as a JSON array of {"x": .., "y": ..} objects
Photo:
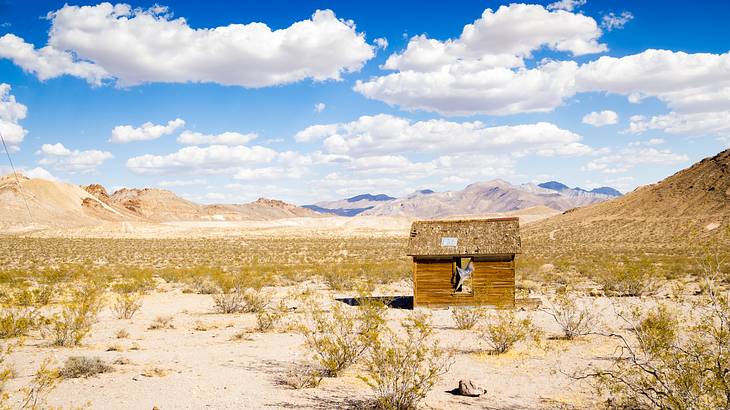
[{"x": 469, "y": 389}]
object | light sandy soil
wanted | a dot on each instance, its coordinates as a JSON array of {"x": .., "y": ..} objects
[{"x": 207, "y": 369}]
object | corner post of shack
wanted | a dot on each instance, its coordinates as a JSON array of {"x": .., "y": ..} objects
[{"x": 464, "y": 262}]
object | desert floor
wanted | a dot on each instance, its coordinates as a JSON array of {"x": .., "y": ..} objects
[{"x": 201, "y": 363}]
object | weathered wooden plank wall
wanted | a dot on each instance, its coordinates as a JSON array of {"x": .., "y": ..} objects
[{"x": 493, "y": 283}]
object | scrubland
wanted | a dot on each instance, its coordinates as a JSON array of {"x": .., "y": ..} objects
[{"x": 312, "y": 322}]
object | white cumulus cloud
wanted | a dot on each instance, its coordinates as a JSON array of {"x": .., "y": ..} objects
[
  {"x": 122, "y": 134},
  {"x": 319, "y": 107},
  {"x": 613, "y": 21},
  {"x": 136, "y": 46},
  {"x": 483, "y": 71},
  {"x": 599, "y": 119},
  {"x": 567, "y": 5},
  {"x": 64, "y": 159},
  {"x": 225, "y": 138},
  {"x": 213, "y": 158},
  {"x": 387, "y": 134},
  {"x": 11, "y": 112},
  {"x": 630, "y": 157},
  {"x": 49, "y": 62}
]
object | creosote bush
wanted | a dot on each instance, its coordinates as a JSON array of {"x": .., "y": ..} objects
[
  {"x": 303, "y": 376},
  {"x": 338, "y": 338},
  {"x": 629, "y": 277},
  {"x": 161, "y": 322},
  {"x": 663, "y": 363},
  {"x": 504, "y": 329},
  {"x": 21, "y": 310},
  {"x": 467, "y": 318},
  {"x": 238, "y": 293},
  {"x": 127, "y": 304},
  {"x": 78, "y": 314},
  {"x": 574, "y": 319},
  {"x": 402, "y": 368},
  {"x": 267, "y": 319},
  {"x": 83, "y": 366}
]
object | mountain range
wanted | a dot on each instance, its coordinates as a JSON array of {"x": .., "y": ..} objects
[
  {"x": 44, "y": 203},
  {"x": 476, "y": 199}
]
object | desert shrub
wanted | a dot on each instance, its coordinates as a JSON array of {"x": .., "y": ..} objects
[
  {"x": 21, "y": 310},
  {"x": 127, "y": 304},
  {"x": 6, "y": 372},
  {"x": 83, "y": 366},
  {"x": 402, "y": 368},
  {"x": 122, "y": 334},
  {"x": 337, "y": 339},
  {"x": 504, "y": 329},
  {"x": 43, "y": 382},
  {"x": 161, "y": 322},
  {"x": 303, "y": 376},
  {"x": 15, "y": 322},
  {"x": 629, "y": 277},
  {"x": 574, "y": 320},
  {"x": 238, "y": 293},
  {"x": 466, "y": 318},
  {"x": 78, "y": 314},
  {"x": 268, "y": 319},
  {"x": 662, "y": 364}
]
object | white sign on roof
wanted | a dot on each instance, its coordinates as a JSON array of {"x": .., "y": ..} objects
[{"x": 449, "y": 241}]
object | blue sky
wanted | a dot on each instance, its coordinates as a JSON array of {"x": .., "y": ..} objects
[{"x": 380, "y": 97}]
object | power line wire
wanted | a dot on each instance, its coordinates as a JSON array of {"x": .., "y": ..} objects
[{"x": 17, "y": 180}]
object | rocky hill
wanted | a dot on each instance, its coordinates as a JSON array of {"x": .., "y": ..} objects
[
  {"x": 693, "y": 203},
  {"x": 53, "y": 204}
]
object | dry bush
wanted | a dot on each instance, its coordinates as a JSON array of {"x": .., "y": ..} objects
[
  {"x": 303, "y": 376},
  {"x": 161, "y": 322},
  {"x": 268, "y": 319},
  {"x": 239, "y": 293},
  {"x": 83, "y": 366},
  {"x": 6, "y": 372},
  {"x": 402, "y": 368},
  {"x": 467, "y": 318},
  {"x": 669, "y": 360},
  {"x": 34, "y": 394},
  {"x": 631, "y": 277},
  {"x": 127, "y": 304},
  {"x": 504, "y": 329},
  {"x": 574, "y": 320},
  {"x": 42, "y": 384},
  {"x": 78, "y": 314},
  {"x": 337, "y": 339},
  {"x": 122, "y": 334},
  {"x": 16, "y": 322},
  {"x": 21, "y": 310}
]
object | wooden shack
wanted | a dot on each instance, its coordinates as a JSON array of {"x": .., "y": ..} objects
[{"x": 464, "y": 262}]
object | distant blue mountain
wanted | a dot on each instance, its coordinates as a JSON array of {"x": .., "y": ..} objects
[
  {"x": 370, "y": 197},
  {"x": 426, "y": 191},
  {"x": 607, "y": 190},
  {"x": 337, "y": 211},
  {"x": 558, "y": 186},
  {"x": 554, "y": 185}
]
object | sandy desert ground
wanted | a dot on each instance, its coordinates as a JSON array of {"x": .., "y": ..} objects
[
  {"x": 200, "y": 364},
  {"x": 205, "y": 359}
]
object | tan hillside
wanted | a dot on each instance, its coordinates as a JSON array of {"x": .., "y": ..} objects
[
  {"x": 158, "y": 205},
  {"x": 51, "y": 204},
  {"x": 61, "y": 205},
  {"x": 692, "y": 202}
]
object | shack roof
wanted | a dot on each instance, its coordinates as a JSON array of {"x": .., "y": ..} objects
[{"x": 473, "y": 237}]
